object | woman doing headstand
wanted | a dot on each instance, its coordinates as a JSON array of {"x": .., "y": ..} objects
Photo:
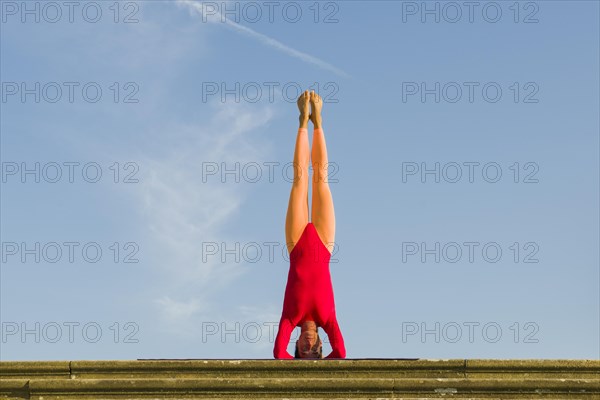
[{"x": 309, "y": 301}]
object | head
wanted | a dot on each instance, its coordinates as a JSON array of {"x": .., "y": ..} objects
[{"x": 309, "y": 344}]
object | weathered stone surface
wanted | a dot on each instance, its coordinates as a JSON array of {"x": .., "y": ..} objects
[
  {"x": 270, "y": 368},
  {"x": 34, "y": 369},
  {"x": 14, "y": 388},
  {"x": 302, "y": 379},
  {"x": 548, "y": 369}
]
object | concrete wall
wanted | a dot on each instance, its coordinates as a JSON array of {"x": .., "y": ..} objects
[{"x": 301, "y": 379}]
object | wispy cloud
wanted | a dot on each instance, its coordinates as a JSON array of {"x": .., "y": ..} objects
[
  {"x": 214, "y": 16},
  {"x": 181, "y": 212},
  {"x": 176, "y": 210}
]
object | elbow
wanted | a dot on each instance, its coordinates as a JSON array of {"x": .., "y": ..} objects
[
  {"x": 341, "y": 352},
  {"x": 281, "y": 354},
  {"x": 276, "y": 353},
  {"x": 338, "y": 352}
]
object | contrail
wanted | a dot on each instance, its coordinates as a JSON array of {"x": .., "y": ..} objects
[{"x": 199, "y": 7}]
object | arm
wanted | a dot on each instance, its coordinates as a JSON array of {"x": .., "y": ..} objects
[
  {"x": 282, "y": 339},
  {"x": 335, "y": 338}
]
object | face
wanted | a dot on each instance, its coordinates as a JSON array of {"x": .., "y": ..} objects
[{"x": 306, "y": 345}]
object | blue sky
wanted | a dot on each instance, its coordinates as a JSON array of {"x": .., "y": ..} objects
[{"x": 517, "y": 95}]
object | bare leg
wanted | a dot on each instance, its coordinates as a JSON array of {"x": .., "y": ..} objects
[
  {"x": 297, "y": 212},
  {"x": 323, "y": 215}
]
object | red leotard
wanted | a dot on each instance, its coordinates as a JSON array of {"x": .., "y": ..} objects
[{"x": 309, "y": 294}]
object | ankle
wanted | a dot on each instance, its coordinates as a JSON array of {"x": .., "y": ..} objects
[
  {"x": 303, "y": 122},
  {"x": 317, "y": 122}
]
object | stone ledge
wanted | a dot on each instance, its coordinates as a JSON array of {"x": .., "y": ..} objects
[{"x": 350, "y": 378}]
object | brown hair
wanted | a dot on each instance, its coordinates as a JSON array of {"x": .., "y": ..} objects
[{"x": 318, "y": 348}]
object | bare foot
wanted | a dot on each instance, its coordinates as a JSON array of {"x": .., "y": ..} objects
[
  {"x": 304, "y": 105},
  {"x": 316, "y": 104}
]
